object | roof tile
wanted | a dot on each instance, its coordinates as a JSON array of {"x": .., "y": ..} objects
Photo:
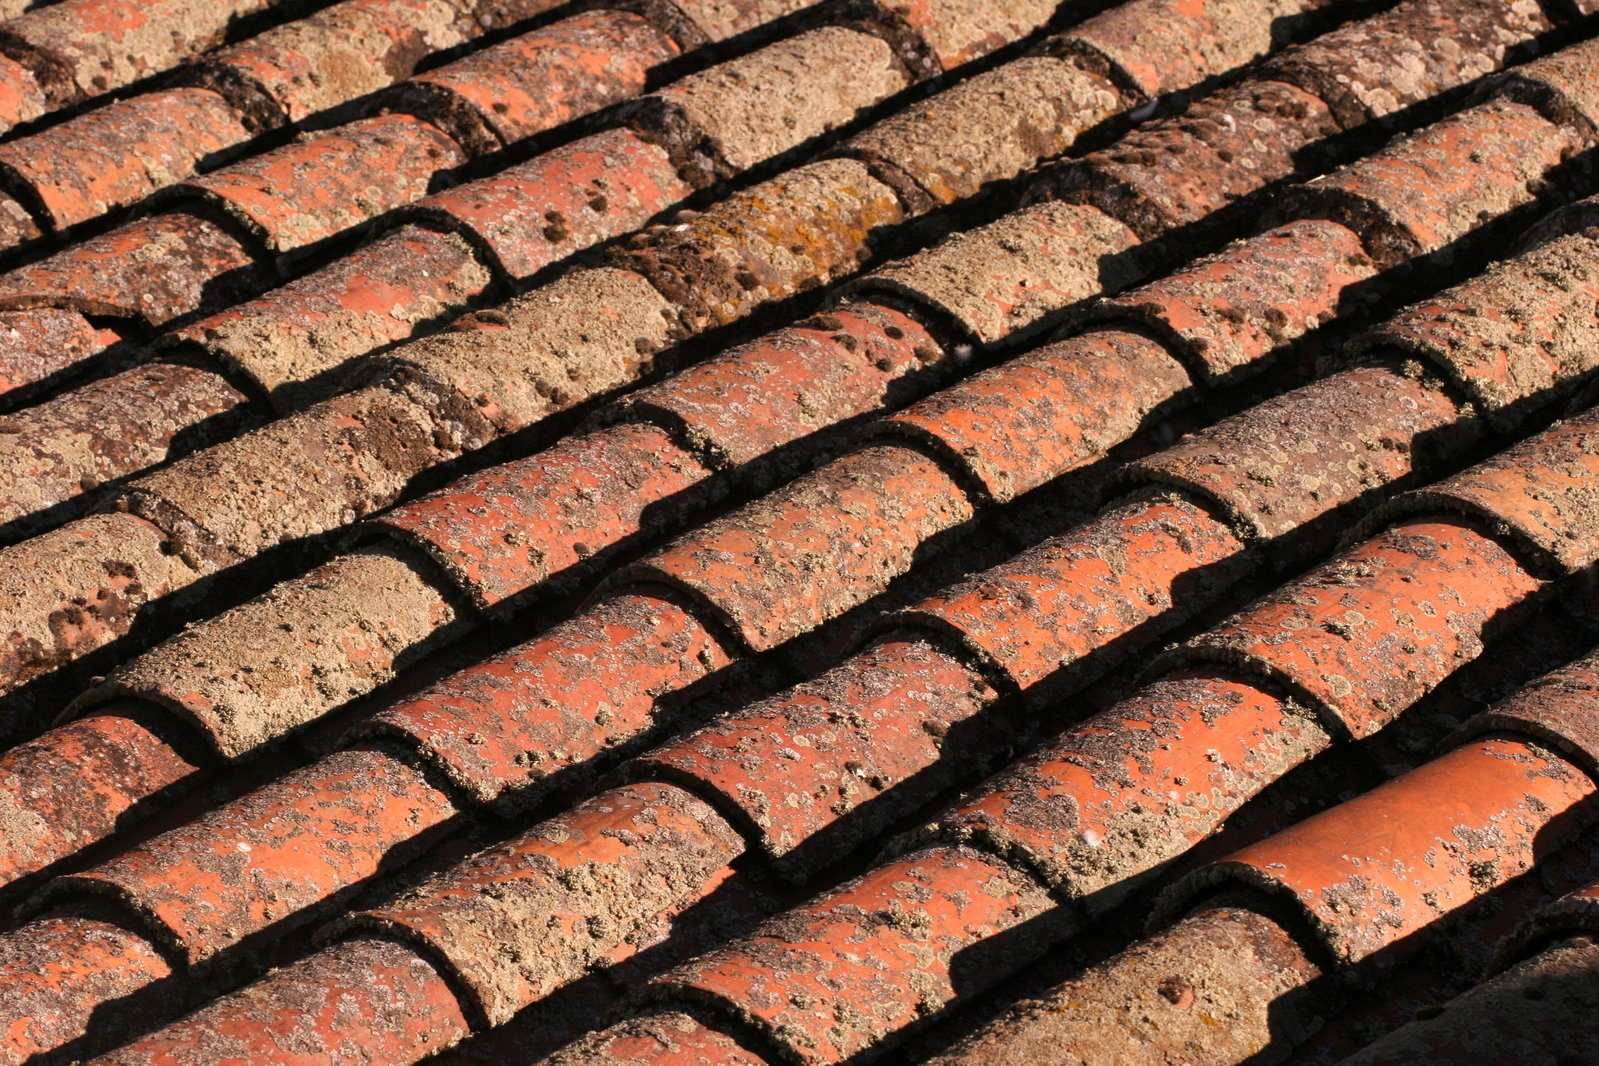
[
  {"x": 536, "y": 213},
  {"x": 539, "y": 80},
  {"x": 1226, "y": 313},
  {"x": 153, "y": 271},
  {"x": 1542, "y": 492},
  {"x": 288, "y": 845},
  {"x": 763, "y": 104},
  {"x": 330, "y": 57},
  {"x": 295, "y": 196},
  {"x": 1370, "y": 632},
  {"x": 1376, "y": 68},
  {"x": 743, "y": 405},
  {"x": 1556, "y": 709},
  {"x": 335, "y": 632},
  {"x": 1512, "y": 336},
  {"x": 501, "y": 729},
  {"x": 1386, "y": 864},
  {"x": 989, "y": 127},
  {"x": 507, "y": 922},
  {"x": 1134, "y": 785},
  {"x": 1056, "y": 604},
  {"x": 56, "y": 451},
  {"x": 45, "y": 341},
  {"x": 292, "y": 478},
  {"x": 1224, "y": 148},
  {"x": 1159, "y": 46},
  {"x": 395, "y": 999},
  {"x": 958, "y": 33},
  {"x": 118, "y": 154},
  {"x": 1307, "y": 454},
  {"x": 503, "y": 533},
  {"x": 836, "y": 975},
  {"x": 585, "y": 333},
  {"x": 1435, "y": 187},
  {"x": 75, "y": 589},
  {"x": 294, "y": 342},
  {"x": 1001, "y": 281},
  {"x": 787, "y": 235},
  {"x": 1013, "y": 427},
  {"x": 667, "y": 1038},
  {"x": 844, "y": 755},
  {"x": 810, "y": 551},
  {"x": 22, "y": 99}
]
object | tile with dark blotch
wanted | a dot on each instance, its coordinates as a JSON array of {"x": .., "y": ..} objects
[
  {"x": 533, "y": 214},
  {"x": 508, "y": 530},
  {"x": 310, "y": 190}
]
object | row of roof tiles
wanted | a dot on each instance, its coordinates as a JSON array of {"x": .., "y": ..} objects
[{"x": 497, "y": 931}]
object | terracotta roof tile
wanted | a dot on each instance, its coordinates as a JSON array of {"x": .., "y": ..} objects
[
  {"x": 946, "y": 518},
  {"x": 119, "y": 154}
]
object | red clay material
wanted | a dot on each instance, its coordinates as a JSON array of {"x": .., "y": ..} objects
[
  {"x": 503, "y": 727},
  {"x": 1136, "y": 785},
  {"x": 810, "y": 551},
  {"x": 1051, "y": 606},
  {"x": 539, "y": 212},
  {"x": 293, "y": 341},
  {"x": 537, "y": 81},
  {"x": 86, "y": 48},
  {"x": 73, "y": 786},
  {"x": 846, "y": 753},
  {"x": 309, "y": 1014},
  {"x": 514, "y": 922},
  {"x": 745, "y": 404},
  {"x": 81, "y": 439},
  {"x": 1224, "y": 148},
  {"x": 505, "y": 531},
  {"x": 1379, "y": 66},
  {"x": 988, "y": 128},
  {"x": 1374, "y": 870},
  {"x": 273, "y": 664},
  {"x": 17, "y": 224},
  {"x": 1543, "y": 492},
  {"x": 22, "y": 99},
  {"x": 853, "y": 966},
  {"x": 310, "y": 190},
  {"x": 46, "y": 341},
  {"x": 1160, "y": 46},
  {"x": 1557, "y": 709},
  {"x": 57, "y": 971},
  {"x": 663, "y": 1038},
  {"x": 117, "y": 155},
  {"x": 1367, "y": 634},
  {"x": 1512, "y": 336},
  {"x": 1016, "y": 426},
  {"x": 1291, "y": 459},
  {"x": 75, "y": 589},
  {"x": 266, "y": 858},
  {"x": 151, "y": 271},
  {"x": 1003, "y": 281},
  {"x": 333, "y": 56},
  {"x": 1226, "y": 313},
  {"x": 792, "y": 233},
  {"x": 958, "y": 33},
  {"x": 1436, "y": 186}
]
